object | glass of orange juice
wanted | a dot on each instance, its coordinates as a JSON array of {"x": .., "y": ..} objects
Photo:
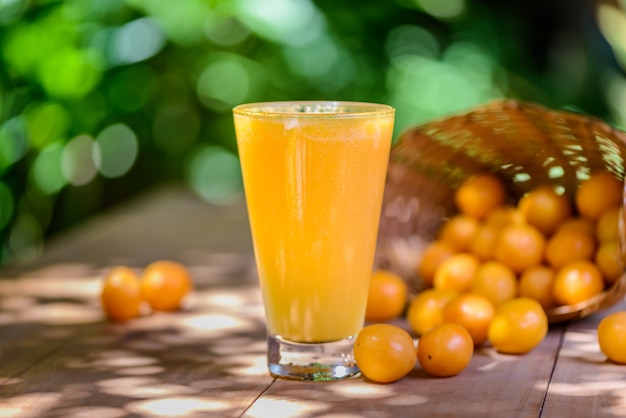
[{"x": 314, "y": 175}]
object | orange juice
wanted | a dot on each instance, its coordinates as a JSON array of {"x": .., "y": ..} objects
[{"x": 314, "y": 186}]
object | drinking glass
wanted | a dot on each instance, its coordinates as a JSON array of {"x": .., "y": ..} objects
[{"x": 314, "y": 175}]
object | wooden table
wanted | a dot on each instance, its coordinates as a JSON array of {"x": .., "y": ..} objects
[{"x": 60, "y": 358}]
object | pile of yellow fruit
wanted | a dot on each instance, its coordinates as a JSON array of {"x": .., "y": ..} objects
[
  {"x": 493, "y": 270},
  {"x": 546, "y": 247}
]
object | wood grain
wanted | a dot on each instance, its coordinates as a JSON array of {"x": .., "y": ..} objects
[
  {"x": 59, "y": 357},
  {"x": 585, "y": 383}
]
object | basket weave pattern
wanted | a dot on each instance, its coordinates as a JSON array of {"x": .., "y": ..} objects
[{"x": 525, "y": 144}]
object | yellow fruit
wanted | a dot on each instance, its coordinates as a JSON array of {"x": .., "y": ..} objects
[
  {"x": 577, "y": 223},
  {"x": 384, "y": 352},
  {"x": 536, "y": 283},
  {"x": 520, "y": 246},
  {"x": 518, "y": 326},
  {"x": 600, "y": 192},
  {"x": 612, "y": 336},
  {"x": 503, "y": 216},
  {"x": 445, "y": 350},
  {"x": 425, "y": 309},
  {"x": 569, "y": 245},
  {"x": 473, "y": 312},
  {"x": 458, "y": 232},
  {"x": 576, "y": 282},
  {"x": 387, "y": 296},
  {"x": 432, "y": 257},
  {"x": 456, "y": 272},
  {"x": 484, "y": 241},
  {"x": 121, "y": 294},
  {"x": 609, "y": 260},
  {"x": 607, "y": 228},
  {"x": 479, "y": 195},
  {"x": 545, "y": 209},
  {"x": 495, "y": 281},
  {"x": 164, "y": 284}
]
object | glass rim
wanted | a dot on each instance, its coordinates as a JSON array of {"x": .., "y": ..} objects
[{"x": 312, "y": 109}]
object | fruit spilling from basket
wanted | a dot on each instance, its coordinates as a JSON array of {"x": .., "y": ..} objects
[
  {"x": 510, "y": 186},
  {"x": 501, "y": 220},
  {"x": 492, "y": 271},
  {"x": 543, "y": 246}
]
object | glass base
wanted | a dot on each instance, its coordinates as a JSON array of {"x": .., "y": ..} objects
[{"x": 315, "y": 361}]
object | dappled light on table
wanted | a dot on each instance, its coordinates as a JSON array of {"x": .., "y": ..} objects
[
  {"x": 62, "y": 359},
  {"x": 584, "y": 375},
  {"x": 281, "y": 408},
  {"x": 162, "y": 364},
  {"x": 208, "y": 359},
  {"x": 177, "y": 406}
]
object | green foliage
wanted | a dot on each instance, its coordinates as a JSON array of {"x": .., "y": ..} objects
[{"x": 100, "y": 99}]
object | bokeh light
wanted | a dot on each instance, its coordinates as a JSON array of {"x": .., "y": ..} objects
[
  {"x": 11, "y": 10},
  {"x": 13, "y": 143},
  {"x": 412, "y": 40},
  {"x": 314, "y": 58},
  {"x": 46, "y": 123},
  {"x": 77, "y": 163},
  {"x": 182, "y": 23},
  {"x": 290, "y": 22},
  {"x": 443, "y": 9},
  {"x": 69, "y": 74},
  {"x": 225, "y": 31},
  {"x": 423, "y": 88},
  {"x": 227, "y": 80},
  {"x": 115, "y": 150},
  {"x": 215, "y": 174},
  {"x": 612, "y": 23},
  {"x": 136, "y": 41},
  {"x": 101, "y": 99},
  {"x": 46, "y": 172}
]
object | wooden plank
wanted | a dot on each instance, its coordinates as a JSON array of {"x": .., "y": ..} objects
[
  {"x": 208, "y": 359},
  {"x": 493, "y": 385},
  {"x": 584, "y": 383},
  {"x": 183, "y": 362},
  {"x": 59, "y": 357}
]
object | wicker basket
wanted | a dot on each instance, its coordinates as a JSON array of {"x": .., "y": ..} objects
[{"x": 526, "y": 145}]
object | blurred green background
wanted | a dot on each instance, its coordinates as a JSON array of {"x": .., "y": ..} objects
[{"x": 102, "y": 99}]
